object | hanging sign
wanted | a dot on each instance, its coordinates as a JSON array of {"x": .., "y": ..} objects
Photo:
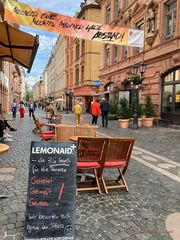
[
  {"x": 50, "y": 209},
  {"x": 24, "y": 14}
]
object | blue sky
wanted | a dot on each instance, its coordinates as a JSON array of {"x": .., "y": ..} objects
[{"x": 46, "y": 40}]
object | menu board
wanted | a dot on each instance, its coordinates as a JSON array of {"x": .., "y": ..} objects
[{"x": 50, "y": 209}]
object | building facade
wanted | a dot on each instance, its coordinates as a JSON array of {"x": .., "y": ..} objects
[
  {"x": 83, "y": 61},
  {"x": 160, "y": 20},
  {"x": 59, "y": 56}
]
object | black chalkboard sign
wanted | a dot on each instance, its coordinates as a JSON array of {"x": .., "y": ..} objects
[{"x": 50, "y": 209}]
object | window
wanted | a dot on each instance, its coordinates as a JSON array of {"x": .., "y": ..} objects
[
  {"x": 171, "y": 92},
  {"x": 82, "y": 74},
  {"x": 140, "y": 26},
  {"x": 170, "y": 18},
  {"x": 107, "y": 55},
  {"x": 116, "y": 7},
  {"x": 126, "y": 3},
  {"x": 124, "y": 52},
  {"x": 77, "y": 76},
  {"x": 1, "y": 65},
  {"x": 108, "y": 14},
  {"x": 83, "y": 47},
  {"x": 67, "y": 59},
  {"x": 77, "y": 51},
  {"x": 115, "y": 54}
]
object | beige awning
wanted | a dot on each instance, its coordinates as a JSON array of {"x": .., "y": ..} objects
[{"x": 17, "y": 46}]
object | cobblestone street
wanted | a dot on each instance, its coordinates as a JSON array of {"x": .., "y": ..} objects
[{"x": 153, "y": 177}]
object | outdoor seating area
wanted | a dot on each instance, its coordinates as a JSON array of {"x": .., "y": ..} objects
[{"x": 100, "y": 154}]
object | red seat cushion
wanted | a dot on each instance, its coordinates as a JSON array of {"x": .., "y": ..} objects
[
  {"x": 88, "y": 164},
  {"x": 115, "y": 164},
  {"x": 47, "y": 136},
  {"x": 47, "y": 132}
]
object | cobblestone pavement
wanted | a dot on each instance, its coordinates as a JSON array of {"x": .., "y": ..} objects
[{"x": 153, "y": 177}]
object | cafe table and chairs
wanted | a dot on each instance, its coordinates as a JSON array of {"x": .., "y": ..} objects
[{"x": 3, "y": 148}]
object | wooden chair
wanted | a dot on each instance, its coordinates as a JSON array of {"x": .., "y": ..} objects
[
  {"x": 117, "y": 156},
  {"x": 45, "y": 135},
  {"x": 86, "y": 130},
  {"x": 90, "y": 157},
  {"x": 37, "y": 123},
  {"x": 63, "y": 132}
]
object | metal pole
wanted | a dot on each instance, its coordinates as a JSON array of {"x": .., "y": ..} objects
[
  {"x": 67, "y": 104},
  {"x": 136, "y": 110}
]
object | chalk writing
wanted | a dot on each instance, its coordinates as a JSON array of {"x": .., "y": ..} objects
[{"x": 51, "y": 191}]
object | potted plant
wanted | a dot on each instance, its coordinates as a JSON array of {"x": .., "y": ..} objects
[
  {"x": 149, "y": 112},
  {"x": 112, "y": 110},
  {"x": 124, "y": 113}
]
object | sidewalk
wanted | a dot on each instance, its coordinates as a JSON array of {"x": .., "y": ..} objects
[{"x": 153, "y": 178}]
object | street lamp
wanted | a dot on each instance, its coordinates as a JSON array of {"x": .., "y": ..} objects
[{"x": 136, "y": 80}]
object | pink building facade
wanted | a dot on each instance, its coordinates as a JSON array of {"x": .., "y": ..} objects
[{"x": 160, "y": 21}]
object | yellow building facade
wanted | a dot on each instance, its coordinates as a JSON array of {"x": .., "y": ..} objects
[{"x": 83, "y": 62}]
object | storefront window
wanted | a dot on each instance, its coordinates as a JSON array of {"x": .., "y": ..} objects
[
  {"x": 167, "y": 98},
  {"x": 177, "y": 75},
  {"x": 177, "y": 100},
  {"x": 169, "y": 78}
]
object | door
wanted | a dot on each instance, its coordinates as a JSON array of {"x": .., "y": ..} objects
[{"x": 170, "y": 107}]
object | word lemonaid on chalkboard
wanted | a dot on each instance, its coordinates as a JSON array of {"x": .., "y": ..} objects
[{"x": 50, "y": 209}]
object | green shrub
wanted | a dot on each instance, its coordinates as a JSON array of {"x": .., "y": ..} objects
[
  {"x": 112, "y": 107},
  {"x": 149, "y": 107},
  {"x": 111, "y": 116},
  {"x": 124, "y": 109}
]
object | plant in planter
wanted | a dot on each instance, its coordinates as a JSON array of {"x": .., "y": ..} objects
[
  {"x": 149, "y": 112},
  {"x": 112, "y": 110},
  {"x": 125, "y": 113}
]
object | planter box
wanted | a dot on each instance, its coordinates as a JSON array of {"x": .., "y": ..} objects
[
  {"x": 148, "y": 122},
  {"x": 124, "y": 123}
]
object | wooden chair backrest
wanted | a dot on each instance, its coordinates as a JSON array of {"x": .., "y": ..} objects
[
  {"x": 119, "y": 149},
  {"x": 34, "y": 118},
  {"x": 91, "y": 149},
  {"x": 86, "y": 130},
  {"x": 63, "y": 132}
]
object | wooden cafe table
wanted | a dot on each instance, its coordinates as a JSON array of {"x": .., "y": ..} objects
[{"x": 3, "y": 148}]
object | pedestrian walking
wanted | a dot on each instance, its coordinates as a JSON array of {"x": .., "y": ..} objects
[
  {"x": 95, "y": 111},
  {"x": 22, "y": 111},
  {"x": 14, "y": 108},
  {"x": 31, "y": 108},
  {"x": 77, "y": 110},
  {"x": 104, "y": 112}
]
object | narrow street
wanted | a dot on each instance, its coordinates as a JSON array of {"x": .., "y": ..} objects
[{"x": 153, "y": 177}]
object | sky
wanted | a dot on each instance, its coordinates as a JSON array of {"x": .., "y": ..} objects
[{"x": 47, "y": 39}]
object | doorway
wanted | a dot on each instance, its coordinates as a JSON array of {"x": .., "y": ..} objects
[{"x": 170, "y": 105}]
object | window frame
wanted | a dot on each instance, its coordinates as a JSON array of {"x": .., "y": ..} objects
[{"x": 169, "y": 13}]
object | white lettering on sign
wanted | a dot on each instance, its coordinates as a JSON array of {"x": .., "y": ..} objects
[{"x": 53, "y": 150}]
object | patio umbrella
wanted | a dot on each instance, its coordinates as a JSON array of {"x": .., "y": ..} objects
[{"x": 17, "y": 46}]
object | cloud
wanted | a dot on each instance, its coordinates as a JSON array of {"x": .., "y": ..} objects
[
  {"x": 46, "y": 39},
  {"x": 31, "y": 81}
]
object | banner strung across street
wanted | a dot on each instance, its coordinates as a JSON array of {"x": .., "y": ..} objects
[{"x": 23, "y": 14}]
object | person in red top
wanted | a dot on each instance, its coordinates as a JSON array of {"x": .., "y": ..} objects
[
  {"x": 22, "y": 111},
  {"x": 95, "y": 111}
]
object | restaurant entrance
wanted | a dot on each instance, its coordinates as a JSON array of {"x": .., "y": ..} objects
[{"x": 170, "y": 106}]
